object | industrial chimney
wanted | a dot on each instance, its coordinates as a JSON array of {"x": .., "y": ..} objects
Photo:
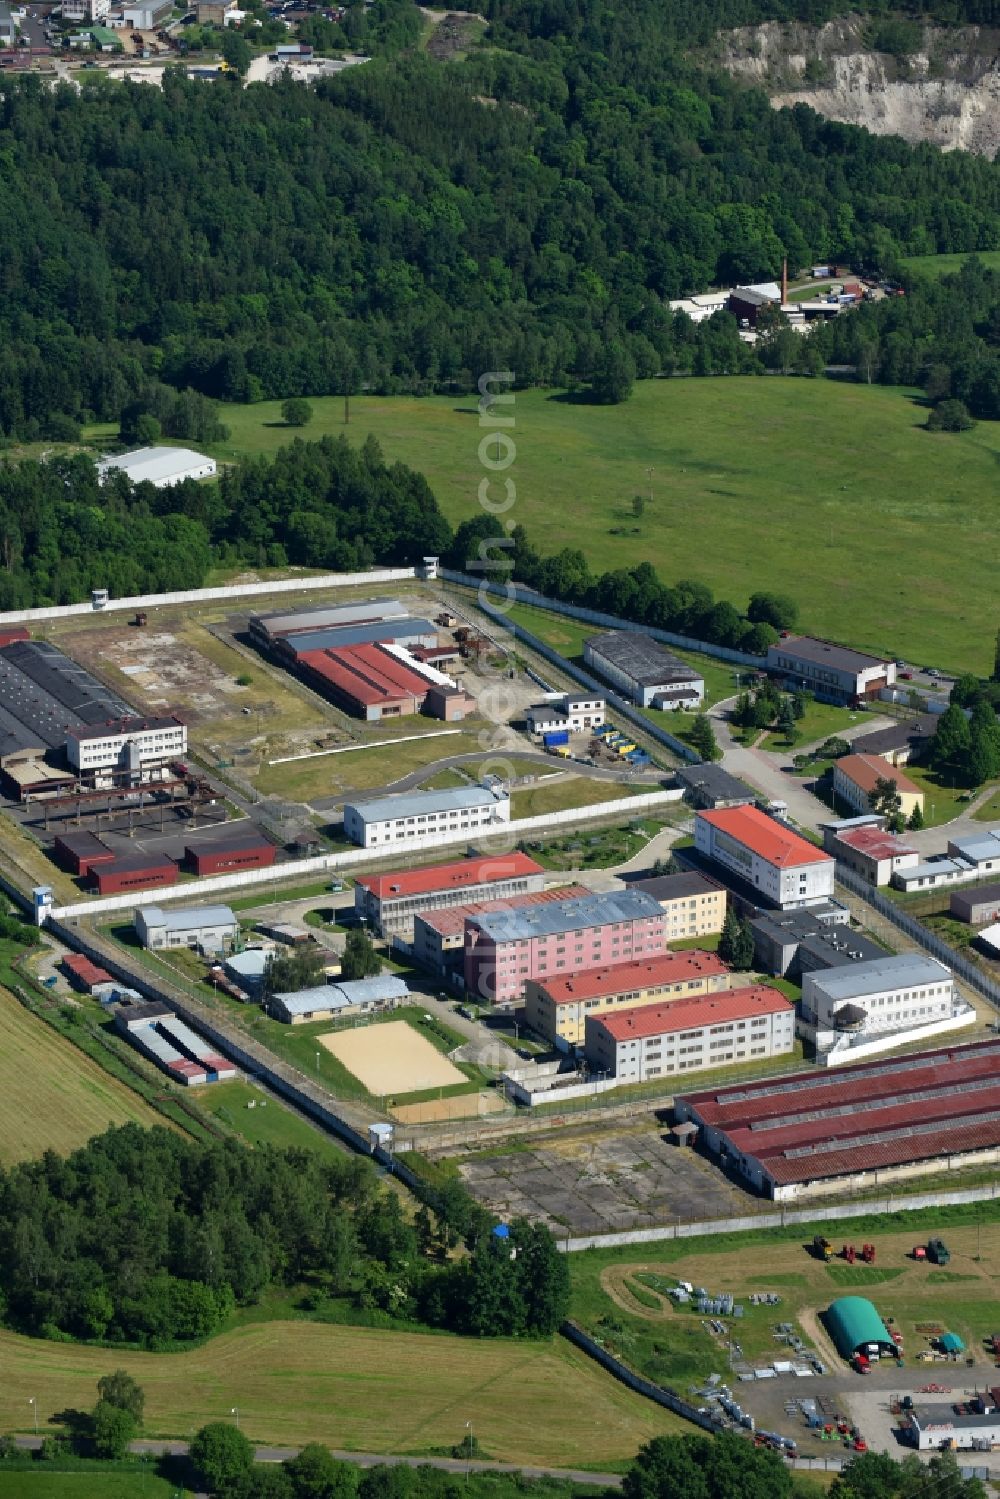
[{"x": 784, "y": 281}]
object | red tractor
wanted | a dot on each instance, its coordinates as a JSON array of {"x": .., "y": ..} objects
[
  {"x": 849, "y": 1253},
  {"x": 868, "y": 1253}
]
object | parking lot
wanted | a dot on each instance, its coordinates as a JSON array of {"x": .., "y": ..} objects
[{"x": 598, "y": 1178}]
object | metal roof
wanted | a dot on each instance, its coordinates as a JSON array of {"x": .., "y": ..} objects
[
  {"x": 449, "y": 921},
  {"x": 790, "y": 927},
  {"x": 715, "y": 782},
  {"x": 567, "y": 915},
  {"x": 383, "y": 986},
  {"x": 903, "y": 970},
  {"x": 852, "y": 1320},
  {"x": 977, "y": 848},
  {"x": 645, "y": 660},
  {"x": 665, "y": 887},
  {"x": 419, "y": 803},
  {"x": 327, "y": 617},
  {"x": 186, "y": 919},
  {"x": 251, "y": 963},
  {"x": 825, "y": 653},
  {"x": 366, "y": 633},
  {"x": 875, "y": 843},
  {"x": 905, "y": 732},
  {"x": 129, "y": 725},
  {"x": 44, "y": 695},
  {"x": 154, "y": 465}
]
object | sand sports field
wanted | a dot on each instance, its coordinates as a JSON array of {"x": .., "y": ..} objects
[
  {"x": 463, "y": 1106},
  {"x": 392, "y": 1058}
]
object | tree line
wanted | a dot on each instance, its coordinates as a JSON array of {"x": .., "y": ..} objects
[
  {"x": 141, "y": 1237},
  {"x": 389, "y": 230}
]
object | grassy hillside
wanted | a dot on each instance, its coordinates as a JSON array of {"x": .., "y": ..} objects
[
  {"x": 831, "y": 492},
  {"x": 52, "y": 1097},
  {"x": 947, "y": 265},
  {"x": 356, "y": 1388}
]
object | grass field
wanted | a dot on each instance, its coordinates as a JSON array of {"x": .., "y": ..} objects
[
  {"x": 361, "y": 769},
  {"x": 754, "y": 480},
  {"x": 267, "y": 1123},
  {"x": 52, "y": 1097},
  {"x": 97, "y": 1483},
  {"x": 821, "y": 721},
  {"x": 674, "y": 1345},
  {"x": 580, "y": 791},
  {"x": 355, "y": 1388},
  {"x": 947, "y": 265}
]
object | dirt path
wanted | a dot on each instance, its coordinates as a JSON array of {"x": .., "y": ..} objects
[
  {"x": 816, "y": 1333},
  {"x": 614, "y": 1284}
]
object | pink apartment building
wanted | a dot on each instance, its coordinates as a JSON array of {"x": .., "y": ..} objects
[{"x": 504, "y": 949}]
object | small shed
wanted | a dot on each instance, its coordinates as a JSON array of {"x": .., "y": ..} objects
[{"x": 952, "y": 1343}]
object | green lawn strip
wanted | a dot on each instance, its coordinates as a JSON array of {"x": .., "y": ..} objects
[
  {"x": 821, "y": 721},
  {"x": 947, "y": 265},
  {"x": 593, "y": 850},
  {"x": 270, "y": 895},
  {"x": 25, "y": 1479},
  {"x": 327, "y": 775},
  {"x": 860, "y": 1274},
  {"x": 989, "y": 811},
  {"x": 580, "y": 791},
  {"x": 708, "y": 943},
  {"x": 727, "y": 463},
  {"x": 942, "y": 803},
  {"x": 268, "y": 1122}
]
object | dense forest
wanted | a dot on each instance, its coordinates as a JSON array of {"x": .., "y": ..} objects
[
  {"x": 405, "y": 225},
  {"x": 141, "y": 1237}
]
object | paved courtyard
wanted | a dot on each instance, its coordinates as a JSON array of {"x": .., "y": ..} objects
[{"x": 597, "y": 1179}]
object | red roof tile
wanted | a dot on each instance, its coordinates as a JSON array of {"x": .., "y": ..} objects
[
  {"x": 637, "y": 973},
  {"x": 450, "y": 920},
  {"x": 459, "y": 875},
  {"x": 865, "y": 770},
  {"x": 874, "y": 842},
  {"x": 693, "y": 1013},
  {"x": 755, "y": 830}
]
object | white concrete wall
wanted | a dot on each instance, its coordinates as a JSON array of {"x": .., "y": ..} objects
[
  {"x": 839, "y": 1057},
  {"x": 357, "y": 858},
  {"x": 206, "y": 595}
]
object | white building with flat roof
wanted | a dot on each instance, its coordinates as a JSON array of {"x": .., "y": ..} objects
[
  {"x": 425, "y": 815},
  {"x": 160, "y": 467},
  {"x": 895, "y": 998},
  {"x": 133, "y": 745}
]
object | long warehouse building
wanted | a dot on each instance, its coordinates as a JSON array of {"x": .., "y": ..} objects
[{"x": 868, "y": 1125}]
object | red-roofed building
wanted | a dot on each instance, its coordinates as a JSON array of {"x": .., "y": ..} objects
[
  {"x": 856, "y": 777},
  {"x": 557, "y": 1008},
  {"x": 871, "y": 852},
  {"x": 811, "y": 1133},
  {"x": 390, "y": 902},
  {"x": 439, "y": 935},
  {"x": 686, "y": 1035},
  {"x": 777, "y": 864}
]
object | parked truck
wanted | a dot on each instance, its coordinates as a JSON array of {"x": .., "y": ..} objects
[{"x": 938, "y": 1252}]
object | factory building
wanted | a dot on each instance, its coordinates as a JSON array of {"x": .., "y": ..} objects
[
  {"x": 778, "y": 865},
  {"x": 864, "y": 1126},
  {"x": 234, "y": 845},
  {"x": 961, "y": 1426},
  {"x": 894, "y": 997},
  {"x": 454, "y": 812},
  {"x": 506, "y": 949},
  {"x": 439, "y": 936},
  {"x": 558, "y": 1008},
  {"x": 338, "y": 1001},
  {"x": 133, "y": 745},
  {"x": 160, "y": 467},
  {"x": 390, "y": 902},
  {"x": 266, "y": 629},
  {"x": 834, "y": 673},
  {"x": 134, "y": 871},
  {"x": 80, "y": 852},
  {"x": 44, "y": 696},
  {"x": 644, "y": 671},
  {"x": 694, "y": 905},
  {"x": 211, "y": 928},
  {"x": 661, "y": 1040},
  {"x": 366, "y": 680}
]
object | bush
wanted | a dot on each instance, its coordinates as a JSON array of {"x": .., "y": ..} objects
[
  {"x": 296, "y": 412},
  {"x": 950, "y": 416}
]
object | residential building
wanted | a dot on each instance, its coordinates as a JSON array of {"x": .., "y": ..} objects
[
  {"x": 576, "y": 714},
  {"x": 211, "y": 928},
  {"x": 233, "y": 845},
  {"x": 439, "y": 935},
  {"x": 906, "y": 739},
  {"x": 390, "y": 902},
  {"x": 558, "y": 1008},
  {"x": 791, "y": 943},
  {"x": 505, "y": 949},
  {"x": 850, "y": 1005},
  {"x": 870, "y": 851},
  {"x": 644, "y": 670},
  {"x": 129, "y": 747},
  {"x": 781, "y": 867},
  {"x": 856, "y": 777},
  {"x": 694, "y": 905},
  {"x": 710, "y": 787},
  {"x": 834, "y": 673},
  {"x": 454, "y": 812},
  {"x": 160, "y": 467},
  {"x": 978, "y": 906},
  {"x": 661, "y": 1040},
  {"x": 77, "y": 11},
  {"x": 815, "y": 1132},
  {"x": 337, "y": 1001}
]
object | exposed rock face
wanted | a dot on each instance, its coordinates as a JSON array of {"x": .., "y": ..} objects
[{"x": 947, "y": 94}]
